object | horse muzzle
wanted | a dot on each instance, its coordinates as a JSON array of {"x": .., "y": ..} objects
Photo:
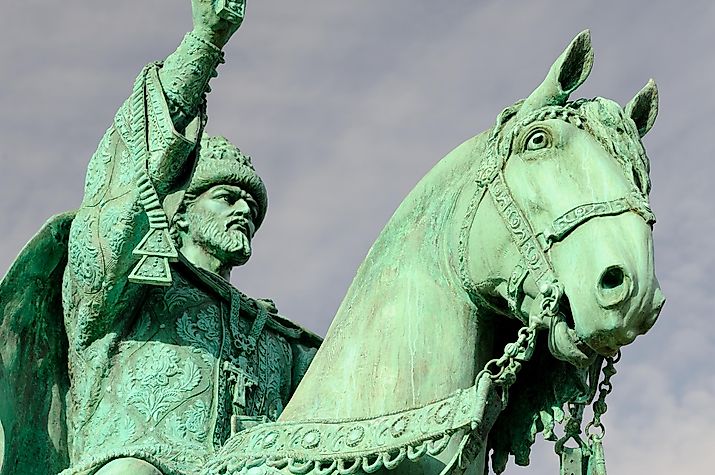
[{"x": 627, "y": 312}]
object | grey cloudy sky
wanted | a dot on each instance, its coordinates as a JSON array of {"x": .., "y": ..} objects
[{"x": 345, "y": 105}]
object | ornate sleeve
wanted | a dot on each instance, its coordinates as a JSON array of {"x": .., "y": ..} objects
[{"x": 141, "y": 154}]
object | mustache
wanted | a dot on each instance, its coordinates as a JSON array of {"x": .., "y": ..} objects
[{"x": 238, "y": 221}]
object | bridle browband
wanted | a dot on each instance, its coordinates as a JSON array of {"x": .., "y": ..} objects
[{"x": 534, "y": 246}]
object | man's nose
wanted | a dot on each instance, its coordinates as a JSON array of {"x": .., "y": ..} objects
[{"x": 241, "y": 207}]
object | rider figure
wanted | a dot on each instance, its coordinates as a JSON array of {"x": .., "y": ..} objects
[{"x": 166, "y": 362}]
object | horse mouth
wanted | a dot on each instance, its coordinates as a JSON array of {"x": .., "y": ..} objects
[{"x": 564, "y": 342}]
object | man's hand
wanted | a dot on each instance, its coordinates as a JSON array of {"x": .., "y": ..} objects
[{"x": 217, "y": 20}]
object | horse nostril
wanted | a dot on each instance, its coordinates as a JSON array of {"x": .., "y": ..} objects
[
  {"x": 612, "y": 277},
  {"x": 613, "y": 287}
]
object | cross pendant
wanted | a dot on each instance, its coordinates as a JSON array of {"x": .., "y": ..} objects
[{"x": 242, "y": 382}]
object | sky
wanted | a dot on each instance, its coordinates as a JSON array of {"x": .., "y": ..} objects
[{"x": 345, "y": 105}]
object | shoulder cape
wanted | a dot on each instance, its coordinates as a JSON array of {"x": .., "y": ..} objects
[
  {"x": 222, "y": 288},
  {"x": 33, "y": 355}
]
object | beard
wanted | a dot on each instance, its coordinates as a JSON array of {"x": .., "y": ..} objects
[{"x": 231, "y": 247}]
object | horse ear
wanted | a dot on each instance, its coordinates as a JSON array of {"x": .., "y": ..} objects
[
  {"x": 643, "y": 108},
  {"x": 567, "y": 73}
]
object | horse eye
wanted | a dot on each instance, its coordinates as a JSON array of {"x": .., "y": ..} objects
[{"x": 537, "y": 140}]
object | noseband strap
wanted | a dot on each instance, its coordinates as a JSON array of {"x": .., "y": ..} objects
[{"x": 566, "y": 223}]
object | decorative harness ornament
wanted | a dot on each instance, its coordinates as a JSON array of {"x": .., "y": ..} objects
[
  {"x": 156, "y": 249},
  {"x": 349, "y": 446}
]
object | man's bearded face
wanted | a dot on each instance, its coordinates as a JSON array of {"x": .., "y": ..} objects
[{"x": 220, "y": 221}]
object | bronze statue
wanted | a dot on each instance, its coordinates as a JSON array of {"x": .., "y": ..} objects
[{"x": 486, "y": 311}]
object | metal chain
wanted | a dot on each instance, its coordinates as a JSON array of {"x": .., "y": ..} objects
[
  {"x": 572, "y": 429},
  {"x": 599, "y": 406},
  {"x": 503, "y": 370}
]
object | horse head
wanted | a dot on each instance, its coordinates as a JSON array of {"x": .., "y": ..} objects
[
  {"x": 559, "y": 214},
  {"x": 564, "y": 189}
]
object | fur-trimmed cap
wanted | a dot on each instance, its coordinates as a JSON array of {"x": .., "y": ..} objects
[{"x": 221, "y": 162}]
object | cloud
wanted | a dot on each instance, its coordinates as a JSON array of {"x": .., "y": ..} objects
[
  {"x": 665, "y": 431},
  {"x": 344, "y": 106}
]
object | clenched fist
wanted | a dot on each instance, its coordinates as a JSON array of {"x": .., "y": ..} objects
[{"x": 217, "y": 20}]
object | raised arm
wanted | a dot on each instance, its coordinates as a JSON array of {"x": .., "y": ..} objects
[
  {"x": 186, "y": 72},
  {"x": 145, "y": 154}
]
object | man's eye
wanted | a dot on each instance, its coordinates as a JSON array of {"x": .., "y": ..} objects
[{"x": 226, "y": 198}]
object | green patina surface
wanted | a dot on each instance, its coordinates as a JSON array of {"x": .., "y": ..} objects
[{"x": 481, "y": 316}]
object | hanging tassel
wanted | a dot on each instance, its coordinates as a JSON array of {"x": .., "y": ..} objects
[
  {"x": 597, "y": 462},
  {"x": 574, "y": 461}
]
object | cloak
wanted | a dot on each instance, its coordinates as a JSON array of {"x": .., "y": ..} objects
[{"x": 33, "y": 355}]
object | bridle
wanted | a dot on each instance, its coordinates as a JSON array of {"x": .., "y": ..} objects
[
  {"x": 536, "y": 262},
  {"x": 534, "y": 246}
]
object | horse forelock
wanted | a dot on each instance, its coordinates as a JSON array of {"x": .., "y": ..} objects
[{"x": 606, "y": 121}]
